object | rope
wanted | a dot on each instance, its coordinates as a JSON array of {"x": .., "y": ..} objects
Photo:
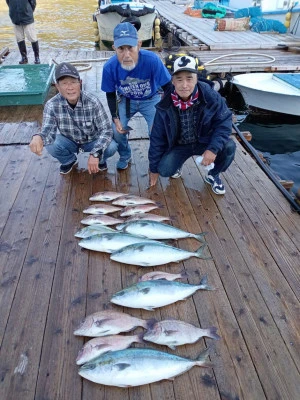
[
  {"x": 82, "y": 65},
  {"x": 212, "y": 62}
]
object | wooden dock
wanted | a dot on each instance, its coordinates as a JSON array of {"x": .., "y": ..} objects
[{"x": 48, "y": 283}]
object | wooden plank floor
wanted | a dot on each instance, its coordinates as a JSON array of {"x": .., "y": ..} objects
[{"x": 48, "y": 283}]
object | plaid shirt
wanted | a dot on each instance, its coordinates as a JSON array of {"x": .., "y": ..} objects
[
  {"x": 88, "y": 121},
  {"x": 188, "y": 124}
]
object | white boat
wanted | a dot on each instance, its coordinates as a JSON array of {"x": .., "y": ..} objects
[
  {"x": 110, "y": 13},
  {"x": 277, "y": 92}
]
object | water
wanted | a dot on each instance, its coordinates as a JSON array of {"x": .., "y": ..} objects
[{"x": 68, "y": 24}]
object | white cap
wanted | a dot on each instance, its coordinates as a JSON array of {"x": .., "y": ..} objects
[{"x": 185, "y": 63}]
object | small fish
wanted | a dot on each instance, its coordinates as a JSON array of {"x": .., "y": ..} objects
[
  {"x": 95, "y": 347},
  {"x": 155, "y": 275},
  {"x": 131, "y": 200},
  {"x": 91, "y": 230},
  {"x": 147, "y": 216},
  {"x": 136, "y": 366},
  {"x": 142, "y": 208},
  {"x": 110, "y": 242},
  {"x": 100, "y": 209},
  {"x": 100, "y": 219},
  {"x": 108, "y": 322},
  {"x": 106, "y": 196},
  {"x": 174, "y": 333},
  {"x": 152, "y": 294},
  {"x": 151, "y": 254},
  {"x": 158, "y": 230}
]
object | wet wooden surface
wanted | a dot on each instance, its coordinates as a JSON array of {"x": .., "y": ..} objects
[{"x": 48, "y": 283}]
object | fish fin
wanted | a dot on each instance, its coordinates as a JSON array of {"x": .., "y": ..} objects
[
  {"x": 149, "y": 308},
  {"x": 212, "y": 333},
  {"x": 122, "y": 366},
  {"x": 171, "y": 346},
  {"x": 202, "y": 361},
  {"x": 204, "y": 284},
  {"x": 200, "y": 237},
  {"x": 101, "y": 321},
  {"x": 169, "y": 332},
  {"x": 140, "y": 338},
  {"x": 145, "y": 290},
  {"x": 101, "y": 346},
  {"x": 150, "y": 323}
]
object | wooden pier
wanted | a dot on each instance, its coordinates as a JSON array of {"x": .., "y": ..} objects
[{"x": 48, "y": 283}]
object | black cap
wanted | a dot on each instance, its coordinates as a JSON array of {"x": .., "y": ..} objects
[{"x": 66, "y": 69}]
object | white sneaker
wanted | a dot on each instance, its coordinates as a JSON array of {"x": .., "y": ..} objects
[{"x": 177, "y": 174}]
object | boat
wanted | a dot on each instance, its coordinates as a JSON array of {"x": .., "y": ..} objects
[
  {"x": 111, "y": 12},
  {"x": 276, "y": 92}
]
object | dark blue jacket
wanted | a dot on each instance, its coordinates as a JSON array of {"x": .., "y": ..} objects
[
  {"x": 214, "y": 124},
  {"x": 21, "y": 11}
]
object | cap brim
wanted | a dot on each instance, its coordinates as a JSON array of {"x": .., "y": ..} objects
[
  {"x": 185, "y": 69},
  {"x": 126, "y": 42},
  {"x": 70, "y": 75}
]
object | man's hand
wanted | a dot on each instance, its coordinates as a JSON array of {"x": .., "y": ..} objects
[
  {"x": 119, "y": 126},
  {"x": 208, "y": 157},
  {"x": 93, "y": 164},
  {"x": 153, "y": 177},
  {"x": 36, "y": 145}
]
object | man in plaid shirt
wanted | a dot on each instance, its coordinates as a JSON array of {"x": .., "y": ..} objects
[{"x": 74, "y": 121}]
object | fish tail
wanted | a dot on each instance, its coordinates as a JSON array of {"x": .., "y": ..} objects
[
  {"x": 200, "y": 236},
  {"x": 140, "y": 337},
  {"x": 199, "y": 253},
  {"x": 212, "y": 333},
  {"x": 204, "y": 284},
  {"x": 202, "y": 359}
]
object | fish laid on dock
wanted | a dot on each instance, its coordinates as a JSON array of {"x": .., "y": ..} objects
[
  {"x": 158, "y": 230},
  {"x": 152, "y": 294},
  {"x": 151, "y": 254},
  {"x": 147, "y": 216},
  {"x": 95, "y": 229},
  {"x": 155, "y": 275},
  {"x": 108, "y": 322},
  {"x": 174, "y": 333},
  {"x": 100, "y": 209},
  {"x": 110, "y": 242},
  {"x": 100, "y": 345},
  {"x": 106, "y": 196},
  {"x": 135, "y": 367},
  {"x": 131, "y": 200},
  {"x": 101, "y": 219},
  {"x": 139, "y": 209}
]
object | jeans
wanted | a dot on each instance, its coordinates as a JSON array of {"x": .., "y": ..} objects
[
  {"x": 144, "y": 107},
  {"x": 65, "y": 150},
  {"x": 174, "y": 159}
]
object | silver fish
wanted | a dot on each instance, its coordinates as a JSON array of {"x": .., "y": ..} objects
[
  {"x": 158, "y": 230},
  {"x": 142, "y": 208},
  {"x": 110, "y": 242},
  {"x": 174, "y": 333},
  {"x": 152, "y": 294},
  {"x": 155, "y": 275},
  {"x": 150, "y": 254},
  {"x": 106, "y": 196},
  {"x": 147, "y": 216},
  {"x": 108, "y": 322},
  {"x": 100, "y": 219},
  {"x": 91, "y": 230},
  {"x": 136, "y": 366},
  {"x": 131, "y": 200},
  {"x": 95, "y": 347},
  {"x": 100, "y": 209}
]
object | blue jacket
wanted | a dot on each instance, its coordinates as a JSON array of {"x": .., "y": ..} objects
[
  {"x": 21, "y": 11},
  {"x": 214, "y": 124}
]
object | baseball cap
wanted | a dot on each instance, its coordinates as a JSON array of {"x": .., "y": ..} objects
[
  {"x": 125, "y": 34},
  {"x": 185, "y": 63},
  {"x": 66, "y": 69}
]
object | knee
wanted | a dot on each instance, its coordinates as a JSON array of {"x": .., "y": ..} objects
[{"x": 230, "y": 148}]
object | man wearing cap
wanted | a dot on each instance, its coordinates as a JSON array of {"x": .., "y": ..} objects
[
  {"x": 74, "y": 121},
  {"x": 191, "y": 119},
  {"x": 134, "y": 76}
]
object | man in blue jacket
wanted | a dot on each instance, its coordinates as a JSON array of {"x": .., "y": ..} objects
[
  {"x": 191, "y": 119},
  {"x": 21, "y": 15}
]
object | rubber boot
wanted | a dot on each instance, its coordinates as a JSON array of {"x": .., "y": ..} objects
[
  {"x": 35, "y": 47},
  {"x": 23, "y": 51}
]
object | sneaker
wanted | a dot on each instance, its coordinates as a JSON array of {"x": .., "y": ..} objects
[
  {"x": 65, "y": 169},
  {"x": 177, "y": 174},
  {"x": 123, "y": 164},
  {"x": 215, "y": 183},
  {"x": 102, "y": 166}
]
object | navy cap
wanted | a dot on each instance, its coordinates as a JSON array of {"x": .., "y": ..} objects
[
  {"x": 125, "y": 34},
  {"x": 66, "y": 69}
]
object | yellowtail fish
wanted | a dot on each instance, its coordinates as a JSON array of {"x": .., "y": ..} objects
[{"x": 91, "y": 230}]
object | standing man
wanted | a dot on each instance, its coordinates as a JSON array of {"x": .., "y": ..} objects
[
  {"x": 21, "y": 15},
  {"x": 74, "y": 121},
  {"x": 131, "y": 80},
  {"x": 191, "y": 119}
]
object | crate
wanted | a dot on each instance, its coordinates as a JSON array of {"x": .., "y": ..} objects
[{"x": 25, "y": 84}]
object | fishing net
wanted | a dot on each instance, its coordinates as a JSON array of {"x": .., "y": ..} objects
[{"x": 266, "y": 25}]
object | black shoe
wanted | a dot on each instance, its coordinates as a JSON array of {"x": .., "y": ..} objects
[
  {"x": 65, "y": 169},
  {"x": 102, "y": 166}
]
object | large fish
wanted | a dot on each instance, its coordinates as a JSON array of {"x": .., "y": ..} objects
[
  {"x": 110, "y": 242},
  {"x": 139, "y": 209},
  {"x": 147, "y": 216},
  {"x": 95, "y": 347},
  {"x": 155, "y": 275},
  {"x": 100, "y": 209},
  {"x": 158, "y": 230},
  {"x": 174, "y": 333},
  {"x": 108, "y": 322},
  {"x": 106, "y": 196},
  {"x": 150, "y": 254},
  {"x": 152, "y": 294},
  {"x": 91, "y": 230},
  {"x": 131, "y": 200},
  {"x": 136, "y": 366},
  {"x": 101, "y": 219}
]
